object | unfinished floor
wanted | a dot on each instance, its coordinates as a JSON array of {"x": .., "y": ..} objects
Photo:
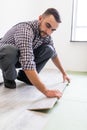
[{"x": 69, "y": 113}]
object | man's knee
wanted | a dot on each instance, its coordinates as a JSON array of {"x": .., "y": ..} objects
[
  {"x": 10, "y": 51},
  {"x": 8, "y": 55},
  {"x": 44, "y": 52},
  {"x": 49, "y": 50}
]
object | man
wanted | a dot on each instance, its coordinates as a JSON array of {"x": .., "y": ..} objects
[{"x": 29, "y": 45}]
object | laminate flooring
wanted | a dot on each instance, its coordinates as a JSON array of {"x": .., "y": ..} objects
[{"x": 15, "y": 104}]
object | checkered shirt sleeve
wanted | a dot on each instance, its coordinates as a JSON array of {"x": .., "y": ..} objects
[{"x": 23, "y": 39}]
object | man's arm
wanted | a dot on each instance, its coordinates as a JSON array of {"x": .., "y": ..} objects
[
  {"x": 57, "y": 63},
  {"x": 34, "y": 78}
]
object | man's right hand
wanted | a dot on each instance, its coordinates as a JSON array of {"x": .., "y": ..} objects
[
  {"x": 35, "y": 80},
  {"x": 53, "y": 93}
]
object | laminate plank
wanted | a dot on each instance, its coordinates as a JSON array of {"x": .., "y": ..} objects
[{"x": 47, "y": 103}]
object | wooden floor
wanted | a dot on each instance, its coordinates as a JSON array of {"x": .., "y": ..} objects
[{"x": 15, "y": 104}]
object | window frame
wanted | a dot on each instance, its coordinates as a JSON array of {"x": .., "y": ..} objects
[{"x": 73, "y": 22}]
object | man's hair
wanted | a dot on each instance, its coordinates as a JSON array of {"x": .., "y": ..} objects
[{"x": 54, "y": 12}]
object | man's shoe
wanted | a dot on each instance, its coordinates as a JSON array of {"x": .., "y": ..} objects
[
  {"x": 9, "y": 84},
  {"x": 22, "y": 77}
]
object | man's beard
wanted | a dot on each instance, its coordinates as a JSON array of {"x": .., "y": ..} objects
[{"x": 43, "y": 34}]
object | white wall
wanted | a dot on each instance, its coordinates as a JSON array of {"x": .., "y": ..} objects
[{"x": 72, "y": 55}]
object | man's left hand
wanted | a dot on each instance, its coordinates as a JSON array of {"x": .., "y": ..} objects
[{"x": 66, "y": 78}]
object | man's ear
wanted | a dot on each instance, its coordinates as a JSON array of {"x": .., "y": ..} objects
[{"x": 40, "y": 17}]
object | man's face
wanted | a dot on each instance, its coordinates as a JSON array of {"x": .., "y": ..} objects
[{"x": 47, "y": 25}]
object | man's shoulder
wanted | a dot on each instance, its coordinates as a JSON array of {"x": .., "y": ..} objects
[
  {"x": 30, "y": 23},
  {"x": 27, "y": 23}
]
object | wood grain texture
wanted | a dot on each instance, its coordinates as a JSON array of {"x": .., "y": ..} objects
[{"x": 14, "y": 105}]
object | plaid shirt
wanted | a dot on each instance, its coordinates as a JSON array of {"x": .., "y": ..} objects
[{"x": 25, "y": 36}]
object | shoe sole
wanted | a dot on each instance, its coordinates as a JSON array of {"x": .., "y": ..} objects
[{"x": 10, "y": 87}]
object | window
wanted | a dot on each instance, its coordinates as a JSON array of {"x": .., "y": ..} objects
[{"x": 79, "y": 21}]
